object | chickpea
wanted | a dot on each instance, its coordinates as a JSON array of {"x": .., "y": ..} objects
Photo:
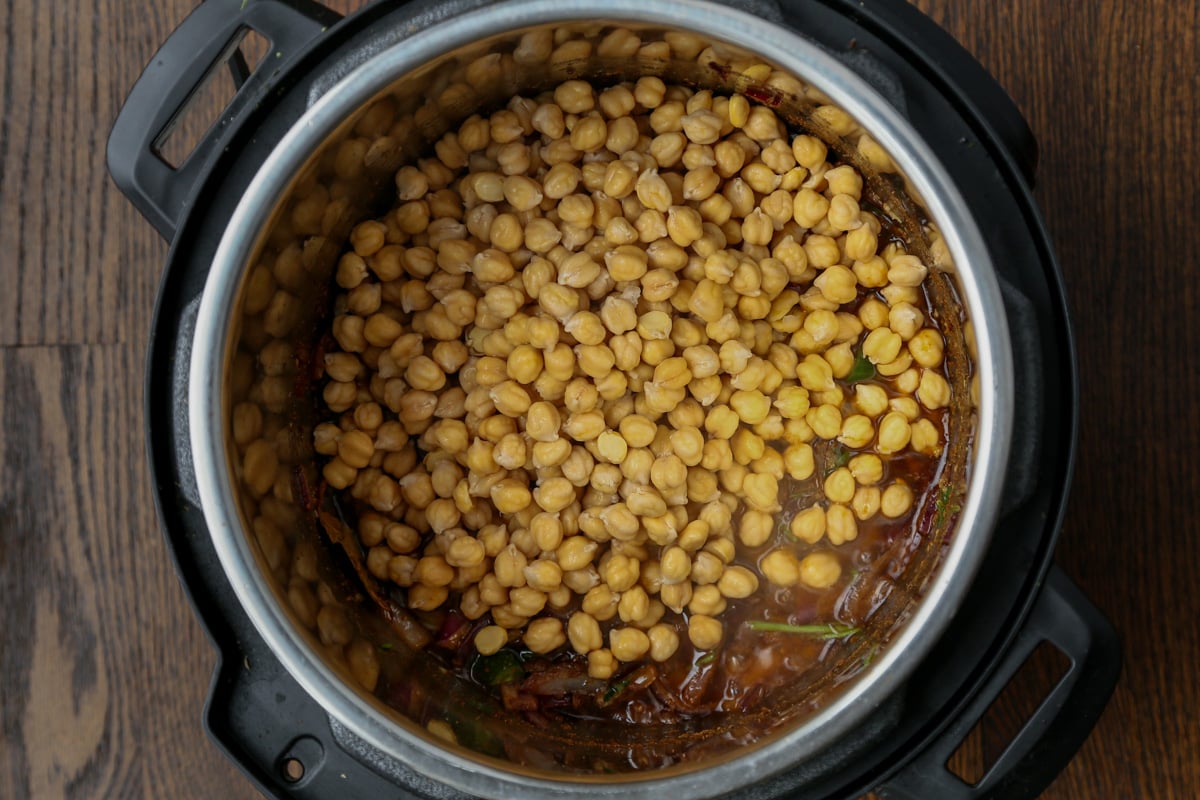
[
  {"x": 600, "y": 602},
  {"x": 524, "y": 364},
  {"x": 761, "y": 491},
  {"x": 905, "y": 406},
  {"x": 819, "y": 570},
  {"x": 510, "y": 496},
  {"x": 815, "y": 373},
  {"x": 737, "y": 583},
  {"x": 575, "y": 97},
  {"x": 554, "y": 495},
  {"x": 707, "y": 600},
  {"x": 560, "y": 362},
  {"x": 634, "y": 605},
  {"x": 707, "y": 568},
  {"x": 927, "y": 348},
  {"x": 908, "y": 381},
  {"x": 653, "y": 192},
  {"x": 896, "y": 501},
  {"x": 705, "y": 632},
  {"x": 509, "y": 452},
  {"x": 664, "y": 641},
  {"x": 581, "y": 581},
  {"x": 504, "y": 616},
  {"x": 907, "y": 271},
  {"x": 260, "y": 465},
  {"x": 355, "y": 448},
  {"x": 544, "y": 635},
  {"x": 433, "y": 571},
  {"x": 721, "y": 422},
  {"x": 720, "y": 547},
  {"x": 575, "y": 553},
  {"x": 718, "y": 515},
  {"x": 780, "y": 567},
  {"x": 490, "y": 639},
  {"x": 809, "y": 525},
  {"x": 840, "y": 524},
  {"x": 925, "y": 438},
  {"x": 756, "y": 528},
  {"x": 933, "y": 390},
  {"x": 676, "y": 596},
  {"x": 602, "y": 665},
  {"x": 510, "y": 398},
  {"x": 752, "y": 407},
  {"x": 882, "y": 345},
  {"x": 584, "y": 426},
  {"x": 612, "y": 447},
  {"x": 675, "y": 565},
  {"x": 542, "y": 421},
  {"x": 836, "y": 283},
  {"x": 866, "y": 502},
  {"x": 839, "y": 485},
  {"x": 423, "y": 597},
  {"x": 584, "y": 633},
  {"x": 866, "y": 468},
  {"x": 894, "y": 433},
  {"x": 825, "y": 421}
]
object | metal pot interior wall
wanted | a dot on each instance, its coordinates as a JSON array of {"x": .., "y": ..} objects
[{"x": 307, "y": 231}]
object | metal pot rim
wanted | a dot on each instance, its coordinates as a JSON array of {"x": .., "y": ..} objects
[{"x": 946, "y": 589}]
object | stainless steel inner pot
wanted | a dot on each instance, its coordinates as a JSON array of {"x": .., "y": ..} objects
[{"x": 434, "y": 79}]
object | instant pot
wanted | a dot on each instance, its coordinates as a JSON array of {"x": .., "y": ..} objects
[{"x": 296, "y": 727}]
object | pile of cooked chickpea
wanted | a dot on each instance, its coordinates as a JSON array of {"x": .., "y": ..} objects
[{"x": 578, "y": 359}]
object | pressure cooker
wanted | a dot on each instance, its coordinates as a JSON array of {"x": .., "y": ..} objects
[{"x": 987, "y": 596}]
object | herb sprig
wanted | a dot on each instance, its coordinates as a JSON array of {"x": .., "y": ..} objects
[
  {"x": 944, "y": 505},
  {"x": 863, "y": 370},
  {"x": 822, "y": 630}
]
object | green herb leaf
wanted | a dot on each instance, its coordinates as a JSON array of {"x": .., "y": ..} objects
[
  {"x": 823, "y": 630},
  {"x": 614, "y": 690},
  {"x": 501, "y": 667},
  {"x": 869, "y": 657},
  {"x": 476, "y": 731},
  {"x": 784, "y": 528},
  {"x": 707, "y": 658},
  {"x": 863, "y": 370},
  {"x": 944, "y": 505},
  {"x": 839, "y": 457},
  {"x": 387, "y": 646}
]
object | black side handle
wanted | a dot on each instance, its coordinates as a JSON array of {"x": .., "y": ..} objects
[
  {"x": 1065, "y": 618},
  {"x": 194, "y": 51},
  {"x": 932, "y": 47}
]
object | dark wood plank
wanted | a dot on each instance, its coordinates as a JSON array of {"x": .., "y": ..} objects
[
  {"x": 104, "y": 667},
  {"x": 71, "y": 263},
  {"x": 1112, "y": 90}
]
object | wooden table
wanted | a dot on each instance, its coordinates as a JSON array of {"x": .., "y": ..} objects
[{"x": 103, "y": 669}]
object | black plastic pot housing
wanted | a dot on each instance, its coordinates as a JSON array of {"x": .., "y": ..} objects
[{"x": 291, "y": 747}]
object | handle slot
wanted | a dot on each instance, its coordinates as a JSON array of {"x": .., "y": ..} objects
[
  {"x": 984, "y": 746},
  {"x": 201, "y": 111}
]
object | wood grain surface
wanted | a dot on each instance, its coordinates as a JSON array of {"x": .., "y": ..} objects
[{"x": 104, "y": 669}]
